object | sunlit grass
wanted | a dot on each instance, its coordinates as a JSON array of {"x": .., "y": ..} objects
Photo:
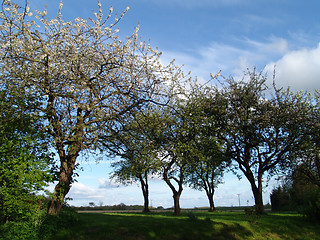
[{"x": 195, "y": 225}]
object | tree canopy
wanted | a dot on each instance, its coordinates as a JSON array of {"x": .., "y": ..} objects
[{"x": 261, "y": 131}]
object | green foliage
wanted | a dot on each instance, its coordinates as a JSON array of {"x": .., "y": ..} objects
[
  {"x": 280, "y": 199},
  {"x": 25, "y": 165},
  {"x": 297, "y": 194},
  {"x": 204, "y": 149},
  {"x": 18, "y": 231},
  {"x": 260, "y": 133},
  {"x": 251, "y": 214},
  {"x": 26, "y": 225},
  {"x": 55, "y": 226},
  {"x": 312, "y": 210},
  {"x": 25, "y": 162}
]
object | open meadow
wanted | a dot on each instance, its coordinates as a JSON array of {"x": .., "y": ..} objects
[{"x": 190, "y": 225}]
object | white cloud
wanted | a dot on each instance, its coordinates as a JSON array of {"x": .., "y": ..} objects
[
  {"x": 84, "y": 192},
  {"x": 300, "y": 69},
  {"x": 107, "y": 183}
]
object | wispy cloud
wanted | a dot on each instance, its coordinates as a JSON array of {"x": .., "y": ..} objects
[
  {"x": 231, "y": 59},
  {"x": 298, "y": 68}
]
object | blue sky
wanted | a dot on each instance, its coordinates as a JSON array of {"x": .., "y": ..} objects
[{"x": 207, "y": 36}]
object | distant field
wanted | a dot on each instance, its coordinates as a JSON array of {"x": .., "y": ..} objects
[{"x": 195, "y": 225}]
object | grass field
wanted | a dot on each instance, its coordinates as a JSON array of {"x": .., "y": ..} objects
[{"x": 190, "y": 225}]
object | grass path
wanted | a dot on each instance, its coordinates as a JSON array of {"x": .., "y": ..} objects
[{"x": 193, "y": 225}]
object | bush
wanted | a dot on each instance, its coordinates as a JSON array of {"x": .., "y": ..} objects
[
  {"x": 38, "y": 225},
  {"x": 53, "y": 225},
  {"x": 251, "y": 214},
  {"x": 18, "y": 231},
  {"x": 280, "y": 199},
  {"x": 312, "y": 209},
  {"x": 27, "y": 220},
  {"x": 301, "y": 196}
]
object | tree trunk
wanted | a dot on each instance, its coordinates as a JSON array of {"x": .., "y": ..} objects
[
  {"x": 176, "y": 200},
  {"x": 256, "y": 190},
  {"x": 64, "y": 184},
  {"x": 176, "y": 193},
  {"x": 145, "y": 192},
  {"x": 257, "y": 194},
  {"x": 57, "y": 200},
  {"x": 67, "y": 156},
  {"x": 211, "y": 203}
]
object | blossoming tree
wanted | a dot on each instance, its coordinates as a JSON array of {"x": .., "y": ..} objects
[{"x": 87, "y": 77}]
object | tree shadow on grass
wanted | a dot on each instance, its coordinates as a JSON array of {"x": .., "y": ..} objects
[
  {"x": 289, "y": 226},
  {"x": 143, "y": 226},
  {"x": 273, "y": 225}
]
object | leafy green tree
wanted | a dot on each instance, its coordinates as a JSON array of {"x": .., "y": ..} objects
[
  {"x": 25, "y": 160},
  {"x": 261, "y": 131},
  {"x": 186, "y": 146},
  {"x": 165, "y": 133},
  {"x": 138, "y": 154},
  {"x": 130, "y": 169},
  {"x": 208, "y": 158},
  {"x": 89, "y": 78},
  {"x": 308, "y": 152}
]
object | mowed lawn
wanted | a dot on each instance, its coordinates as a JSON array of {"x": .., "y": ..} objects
[{"x": 190, "y": 225}]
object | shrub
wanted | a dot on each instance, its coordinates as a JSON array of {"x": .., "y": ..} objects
[
  {"x": 251, "y": 214},
  {"x": 18, "y": 231},
  {"x": 52, "y": 225},
  {"x": 27, "y": 221},
  {"x": 280, "y": 199},
  {"x": 312, "y": 208}
]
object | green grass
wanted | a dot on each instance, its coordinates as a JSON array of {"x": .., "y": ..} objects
[{"x": 195, "y": 225}]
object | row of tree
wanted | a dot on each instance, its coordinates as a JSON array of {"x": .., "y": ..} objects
[
  {"x": 69, "y": 87},
  {"x": 245, "y": 126}
]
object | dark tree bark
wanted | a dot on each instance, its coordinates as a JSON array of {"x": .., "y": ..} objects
[
  {"x": 179, "y": 181},
  {"x": 208, "y": 186},
  {"x": 256, "y": 190},
  {"x": 145, "y": 192},
  {"x": 211, "y": 202},
  {"x": 176, "y": 200},
  {"x": 64, "y": 184},
  {"x": 68, "y": 152}
]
